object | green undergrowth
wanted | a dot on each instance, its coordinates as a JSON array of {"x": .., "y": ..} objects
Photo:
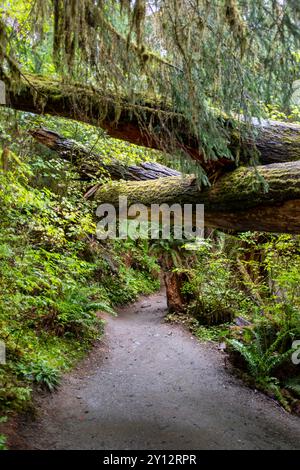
[
  {"x": 55, "y": 276},
  {"x": 216, "y": 333},
  {"x": 243, "y": 291}
]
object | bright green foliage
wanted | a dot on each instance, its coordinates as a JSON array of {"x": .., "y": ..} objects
[
  {"x": 262, "y": 362},
  {"x": 245, "y": 290},
  {"x": 272, "y": 275},
  {"x": 40, "y": 265},
  {"x": 54, "y": 274},
  {"x": 3, "y": 419},
  {"x": 2, "y": 442},
  {"x": 41, "y": 373},
  {"x": 216, "y": 295},
  {"x": 212, "y": 333},
  {"x": 193, "y": 57}
]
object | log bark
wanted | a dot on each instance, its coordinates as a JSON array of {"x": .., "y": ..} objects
[
  {"x": 90, "y": 165},
  {"x": 145, "y": 123},
  {"x": 238, "y": 201}
]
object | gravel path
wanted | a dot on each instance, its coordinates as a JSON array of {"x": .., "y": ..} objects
[{"x": 150, "y": 385}]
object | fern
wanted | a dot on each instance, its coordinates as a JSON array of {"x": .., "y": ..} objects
[
  {"x": 272, "y": 362},
  {"x": 249, "y": 356},
  {"x": 101, "y": 306},
  {"x": 294, "y": 385},
  {"x": 272, "y": 385},
  {"x": 260, "y": 362},
  {"x": 2, "y": 442},
  {"x": 259, "y": 341}
]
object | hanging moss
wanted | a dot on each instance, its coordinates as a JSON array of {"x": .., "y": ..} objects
[{"x": 195, "y": 56}]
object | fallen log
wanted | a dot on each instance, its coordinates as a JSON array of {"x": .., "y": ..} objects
[
  {"x": 90, "y": 165},
  {"x": 263, "y": 199},
  {"x": 147, "y": 123}
]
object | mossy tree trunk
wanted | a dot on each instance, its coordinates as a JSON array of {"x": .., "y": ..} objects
[
  {"x": 147, "y": 123},
  {"x": 263, "y": 199},
  {"x": 92, "y": 166}
]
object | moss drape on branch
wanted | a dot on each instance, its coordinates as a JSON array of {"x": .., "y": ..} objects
[{"x": 147, "y": 123}]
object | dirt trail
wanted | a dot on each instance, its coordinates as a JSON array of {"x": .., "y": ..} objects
[{"x": 152, "y": 386}]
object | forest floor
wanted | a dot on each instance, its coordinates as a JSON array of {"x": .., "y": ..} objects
[{"x": 151, "y": 385}]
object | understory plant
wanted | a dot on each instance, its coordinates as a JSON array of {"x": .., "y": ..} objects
[
  {"x": 215, "y": 295},
  {"x": 270, "y": 274},
  {"x": 244, "y": 290},
  {"x": 55, "y": 276},
  {"x": 263, "y": 359}
]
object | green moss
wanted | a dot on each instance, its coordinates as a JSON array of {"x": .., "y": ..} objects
[{"x": 54, "y": 275}]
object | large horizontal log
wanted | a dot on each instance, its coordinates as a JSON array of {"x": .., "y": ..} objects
[
  {"x": 92, "y": 166},
  {"x": 266, "y": 198},
  {"x": 239, "y": 200},
  {"x": 143, "y": 122}
]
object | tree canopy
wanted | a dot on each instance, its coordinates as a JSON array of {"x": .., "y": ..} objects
[{"x": 216, "y": 63}]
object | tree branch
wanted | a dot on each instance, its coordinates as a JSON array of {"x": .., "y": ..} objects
[
  {"x": 147, "y": 123},
  {"x": 91, "y": 166}
]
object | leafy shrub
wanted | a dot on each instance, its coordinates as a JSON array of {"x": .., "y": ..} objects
[
  {"x": 41, "y": 373},
  {"x": 216, "y": 297},
  {"x": 13, "y": 394},
  {"x": 260, "y": 362},
  {"x": 54, "y": 274},
  {"x": 2, "y": 442},
  {"x": 262, "y": 359}
]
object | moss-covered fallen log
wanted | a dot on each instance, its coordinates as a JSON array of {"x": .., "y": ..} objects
[
  {"x": 146, "y": 123},
  {"x": 90, "y": 165},
  {"x": 264, "y": 199}
]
